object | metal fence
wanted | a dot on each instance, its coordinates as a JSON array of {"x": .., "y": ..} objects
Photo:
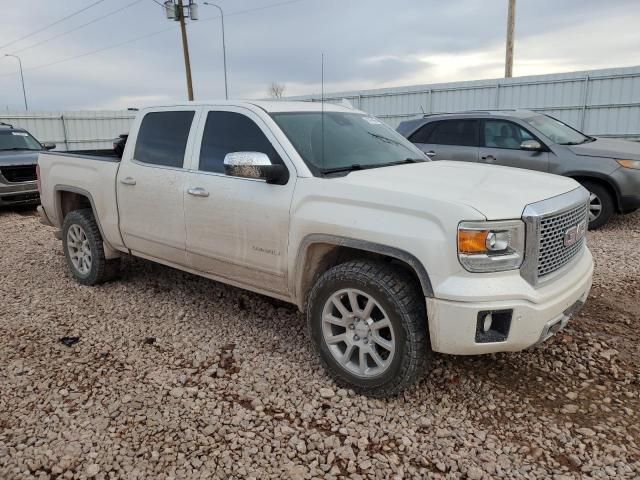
[
  {"x": 73, "y": 130},
  {"x": 598, "y": 102}
]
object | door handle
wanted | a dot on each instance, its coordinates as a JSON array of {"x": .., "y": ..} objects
[
  {"x": 489, "y": 158},
  {"x": 198, "y": 192},
  {"x": 128, "y": 181},
  {"x": 430, "y": 153}
]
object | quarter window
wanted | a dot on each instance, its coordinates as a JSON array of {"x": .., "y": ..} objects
[
  {"x": 504, "y": 134},
  {"x": 226, "y": 132},
  {"x": 162, "y": 138},
  {"x": 454, "y": 132}
]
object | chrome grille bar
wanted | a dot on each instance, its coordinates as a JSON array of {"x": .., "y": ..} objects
[{"x": 547, "y": 223}]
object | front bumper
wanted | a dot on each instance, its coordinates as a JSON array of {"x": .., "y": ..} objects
[
  {"x": 18, "y": 193},
  {"x": 533, "y": 314}
]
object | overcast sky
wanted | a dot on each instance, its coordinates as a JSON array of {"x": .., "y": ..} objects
[{"x": 366, "y": 43}]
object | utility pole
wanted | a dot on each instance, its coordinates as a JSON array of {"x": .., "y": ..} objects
[
  {"x": 511, "y": 21},
  {"x": 179, "y": 12}
]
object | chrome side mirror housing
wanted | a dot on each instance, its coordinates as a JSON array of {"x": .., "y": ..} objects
[
  {"x": 531, "y": 145},
  {"x": 256, "y": 166},
  {"x": 49, "y": 146}
]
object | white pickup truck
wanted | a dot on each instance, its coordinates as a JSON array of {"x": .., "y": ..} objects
[{"x": 391, "y": 256}]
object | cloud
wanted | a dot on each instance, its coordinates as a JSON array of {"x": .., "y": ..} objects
[{"x": 366, "y": 44}]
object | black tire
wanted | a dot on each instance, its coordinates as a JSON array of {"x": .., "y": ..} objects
[
  {"x": 605, "y": 200},
  {"x": 400, "y": 296},
  {"x": 101, "y": 269}
]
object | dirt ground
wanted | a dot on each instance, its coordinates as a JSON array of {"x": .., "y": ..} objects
[{"x": 174, "y": 376}]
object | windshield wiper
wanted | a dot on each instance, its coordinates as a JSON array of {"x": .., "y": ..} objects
[
  {"x": 349, "y": 168},
  {"x": 357, "y": 166},
  {"x": 18, "y": 148}
]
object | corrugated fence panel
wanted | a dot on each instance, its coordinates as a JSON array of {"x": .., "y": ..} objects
[
  {"x": 600, "y": 102},
  {"x": 82, "y": 130}
]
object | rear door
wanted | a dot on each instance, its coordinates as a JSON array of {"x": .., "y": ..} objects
[
  {"x": 455, "y": 139},
  {"x": 150, "y": 185},
  {"x": 237, "y": 228},
  {"x": 500, "y": 145}
]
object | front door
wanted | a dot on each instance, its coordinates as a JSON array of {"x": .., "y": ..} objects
[
  {"x": 150, "y": 187},
  {"x": 237, "y": 228},
  {"x": 501, "y": 141}
]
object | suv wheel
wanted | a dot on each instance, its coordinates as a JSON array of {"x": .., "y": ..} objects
[
  {"x": 83, "y": 249},
  {"x": 368, "y": 323},
  {"x": 601, "y": 206}
]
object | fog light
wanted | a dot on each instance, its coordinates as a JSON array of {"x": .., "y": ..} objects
[{"x": 488, "y": 320}]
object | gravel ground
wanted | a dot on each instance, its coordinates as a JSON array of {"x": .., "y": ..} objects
[{"x": 179, "y": 377}]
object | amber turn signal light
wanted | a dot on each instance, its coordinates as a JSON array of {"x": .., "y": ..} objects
[{"x": 472, "y": 241}]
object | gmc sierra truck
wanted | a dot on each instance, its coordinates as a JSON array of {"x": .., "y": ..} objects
[{"x": 392, "y": 256}]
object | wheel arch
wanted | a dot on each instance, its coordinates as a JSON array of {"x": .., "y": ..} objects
[
  {"x": 601, "y": 179},
  {"x": 318, "y": 252},
  {"x": 68, "y": 198}
]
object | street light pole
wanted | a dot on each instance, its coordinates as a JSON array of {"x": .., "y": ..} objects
[
  {"x": 24, "y": 93},
  {"x": 224, "y": 49}
]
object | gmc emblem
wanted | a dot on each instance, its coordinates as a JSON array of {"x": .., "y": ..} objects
[{"x": 575, "y": 233}]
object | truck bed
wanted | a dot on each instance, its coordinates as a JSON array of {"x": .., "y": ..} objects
[{"x": 91, "y": 176}]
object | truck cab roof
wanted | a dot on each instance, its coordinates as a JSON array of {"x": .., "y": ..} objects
[{"x": 269, "y": 106}]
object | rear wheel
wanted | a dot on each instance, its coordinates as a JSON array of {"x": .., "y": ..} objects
[
  {"x": 368, "y": 323},
  {"x": 84, "y": 251},
  {"x": 601, "y": 205}
]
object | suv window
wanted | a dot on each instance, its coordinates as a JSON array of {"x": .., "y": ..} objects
[
  {"x": 226, "y": 132},
  {"x": 162, "y": 138},
  {"x": 504, "y": 134},
  {"x": 453, "y": 132}
]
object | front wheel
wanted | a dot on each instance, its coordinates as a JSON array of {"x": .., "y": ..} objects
[
  {"x": 84, "y": 251},
  {"x": 601, "y": 205},
  {"x": 368, "y": 323}
]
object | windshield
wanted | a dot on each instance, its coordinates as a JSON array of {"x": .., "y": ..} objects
[
  {"x": 346, "y": 141},
  {"x": 556, "y": 131},
  {"x": 16, "y": 140}
]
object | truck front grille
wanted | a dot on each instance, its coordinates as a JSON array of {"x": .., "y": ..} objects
[
  {"x": 555, "y": 234},
  {"x": 19, "y": 173},
  {"x": 553, "y": 254}
]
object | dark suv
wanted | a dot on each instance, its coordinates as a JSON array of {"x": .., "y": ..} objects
[
  {"x": 608, "y": 168},
  {"x": 18, "y": 160}
]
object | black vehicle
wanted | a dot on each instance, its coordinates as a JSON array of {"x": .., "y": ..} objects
[{"x": 18, "y": 159}]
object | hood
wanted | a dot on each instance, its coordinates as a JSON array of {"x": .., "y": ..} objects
[
  {"x": 498, "y": 193},
  {"x": 17, "y": 157},
  {"x": 608, "y": 147}
]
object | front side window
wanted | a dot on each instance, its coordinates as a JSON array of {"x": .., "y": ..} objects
[
  {"x": 455, "y": 132},
  {"x": 227, "y": 132},
  {"x": 162, "y": 138},
  {"x": 504, "y": 134},
  {"x": 333, "y": 141},
  {"x": 17, "y": 140}
]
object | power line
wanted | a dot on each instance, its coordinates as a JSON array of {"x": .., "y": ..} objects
[
  {"x": 151, "y": 34},
  {"x": 66, "y": 32},
  {"x": 52, "y": 24}
]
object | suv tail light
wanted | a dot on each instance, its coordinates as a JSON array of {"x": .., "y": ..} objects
[{"x": 38, "y": 179}]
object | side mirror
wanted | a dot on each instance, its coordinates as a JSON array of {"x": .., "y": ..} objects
[
  {"x": 49, "y": 146},
  {"x": 255, "y": 165},
  {"x": 531, "y": 145}
]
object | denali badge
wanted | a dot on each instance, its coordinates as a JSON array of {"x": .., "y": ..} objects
[{"x": 575, "y": 233}]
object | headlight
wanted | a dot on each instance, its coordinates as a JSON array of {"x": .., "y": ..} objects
[
  {"x": 491, "y": 246},
  {"x": 630, "y": 163}
]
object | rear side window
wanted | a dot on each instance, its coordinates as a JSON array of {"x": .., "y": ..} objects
[
  {"x": 423, "y": 134},
  {"x": 454, "y": 132},
  {"x": 226, "y": 132},
  {"x": 162, "y": 138}
]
